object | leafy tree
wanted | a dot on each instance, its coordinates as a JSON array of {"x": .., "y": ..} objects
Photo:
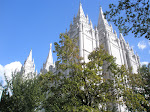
[
  {"x": 97, "y": 85},
  {"x": 131, "y": 15},
  {"x": 145, "y": 87},
  {"x": 130, "y": 90},
  {"x": 21, "y": 95},
  {"x": 80, "y": 86},
  {"x": 5, "y": 101}
]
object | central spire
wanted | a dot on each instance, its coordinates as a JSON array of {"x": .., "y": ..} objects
[
  {"x": 80, "y": 11},
  {"x": 101, "y": 19}
]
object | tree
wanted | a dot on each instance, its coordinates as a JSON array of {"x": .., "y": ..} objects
[
  {"x": 80, "y": 86},
  {"x": 21, "y": 95},
  {"x": 131, "y": 15},
  {"x": 77, "y": 86},
  {"x": 145, "y": 91},
  {"x": 97, "y": 85},
  {"x": 131, "y": 88}
]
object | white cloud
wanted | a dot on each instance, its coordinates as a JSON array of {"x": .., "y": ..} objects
[
  {"x": 149, "y": 42},
  {"x": 142, "y": 45},
  {"x": 144, "y": 63},
  {"x": 9, "y": 69}
]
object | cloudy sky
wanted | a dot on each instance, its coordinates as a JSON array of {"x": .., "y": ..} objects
[{"x": 26, "y": 24}]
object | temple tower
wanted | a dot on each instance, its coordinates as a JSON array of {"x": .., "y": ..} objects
[
  {"x": 102, "y": 34},
  {"x": 49, "y": 65},
  {"x": 83, "y": 29},
  {"x": 28, "y": 69}
]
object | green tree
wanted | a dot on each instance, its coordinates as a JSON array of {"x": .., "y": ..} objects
[
  {"x": 140, "y": 85},
  {"x": 80, "y": 86},
  {"x": 5, "y": 101},
  {"x": 145, "y": 87},
  {"x": 21, "y": 95},
  {"x": 97, "y": 85},
  {"x": 130, "y": 88},
  {"x": 76, "y": 86},
  {"x": 131, "y": 15}
]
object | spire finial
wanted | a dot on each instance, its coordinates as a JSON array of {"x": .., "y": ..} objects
[
  {"x": 30, "y": 55},
  {"x": 101, "y": 19},
  {"x": 99, "y": 5},
  {"x": 80, "y": 11}
]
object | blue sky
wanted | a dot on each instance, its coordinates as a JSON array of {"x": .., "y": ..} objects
[{"x": 26, "y": 24}]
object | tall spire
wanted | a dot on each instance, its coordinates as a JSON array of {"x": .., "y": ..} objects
[
  {"x": 30, "y": 56},
  {"x": 80, "y": 11},
  {"x": 101, "y": 19},
  {"x": 28, "y": 69},
  {"x": 48, "y": 65},
  {"x": 49, "y": 61}
]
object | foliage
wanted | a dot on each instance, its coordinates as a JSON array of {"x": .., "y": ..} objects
[
  {"x": 145, "y": 74},
  {"x": 21, "y": 95},
  {"x": 127, "y": 86},
  {"x": 131, "y": 15},
  {"x": 137, "y": 89},
  {"x": 97, "y": 85},
  {"x": 80, "y": 86},
  {"x": 76, "y": 85}
]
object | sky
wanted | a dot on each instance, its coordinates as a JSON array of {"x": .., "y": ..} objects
[{"x": 34, "y": 24}]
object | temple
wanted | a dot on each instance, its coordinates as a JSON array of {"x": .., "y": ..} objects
[
  {"x": 89, "y": 39},
  {"x": 103, "y": 33}
]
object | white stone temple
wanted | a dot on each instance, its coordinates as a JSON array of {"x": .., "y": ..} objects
[
  {"x": 28, "y": 69},
  {"x": 89, "y": 39},
  {"x": 103, "y": 33}
]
